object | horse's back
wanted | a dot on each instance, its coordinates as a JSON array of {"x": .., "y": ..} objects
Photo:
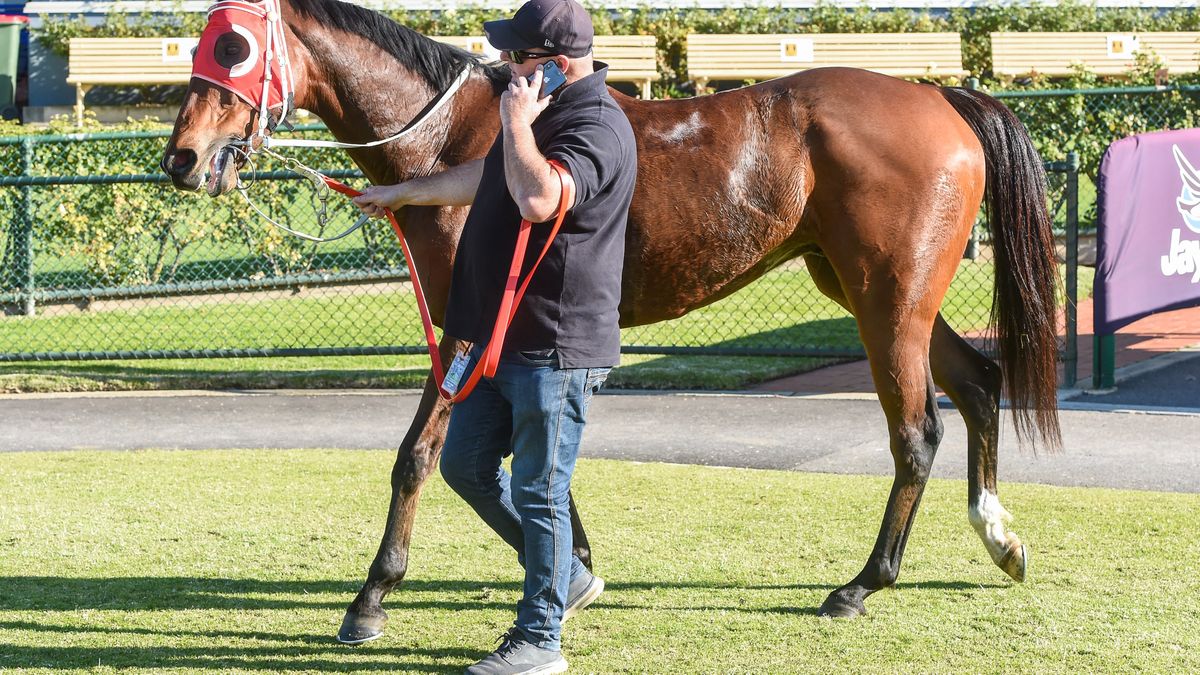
[{"x": 748, "y": 178}]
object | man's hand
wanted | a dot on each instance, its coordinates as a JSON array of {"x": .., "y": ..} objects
[
  {"x": 376, "y": 198},
  {"x": 520, "y": 104}
]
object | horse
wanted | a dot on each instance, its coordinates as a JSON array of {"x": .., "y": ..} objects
[{"x": 874, "y": 181}]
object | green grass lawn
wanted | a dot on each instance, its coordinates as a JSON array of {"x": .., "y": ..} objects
[
  {"x": 244, "y": 561},
  {"x": 780, "y": 310},
  {"x": 402, "y": 372}
]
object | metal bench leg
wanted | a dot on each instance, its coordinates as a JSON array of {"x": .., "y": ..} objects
[
  {"x": 646, "y": 89},
  {"x": 80, "y": 92}
]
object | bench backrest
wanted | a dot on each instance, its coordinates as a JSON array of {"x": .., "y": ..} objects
[
  {"x": 758, "y": 57},
  {"x": 1020, "y": 54},
  {"x": 630, "y": 58},
  {"x": 130, "y": 60}
]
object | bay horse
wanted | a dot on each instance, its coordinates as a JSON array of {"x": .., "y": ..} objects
[{"x": 874, "y": 181}]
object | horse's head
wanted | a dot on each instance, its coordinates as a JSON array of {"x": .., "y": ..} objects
[
  {"x": 224, "y": 100},
  {"x": 200, "y": 153}
]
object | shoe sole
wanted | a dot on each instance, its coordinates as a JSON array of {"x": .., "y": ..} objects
[
  {"x": 550, "y": 668},
  {"x": 588, "y": 598}
]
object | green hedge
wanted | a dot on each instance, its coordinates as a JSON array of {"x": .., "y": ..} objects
[
  {"x": 672, "y": 26},
  {"x": 133, "y": 233}
]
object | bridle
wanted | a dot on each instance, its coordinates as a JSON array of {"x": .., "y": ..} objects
[
  {"x": 239, "y": 79},
  {"x": 271, "y": 62}
]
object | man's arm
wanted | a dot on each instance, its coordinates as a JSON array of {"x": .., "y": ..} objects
[
  {"x": 455, "y": 186},
  {"x": 533, "y": 184}
]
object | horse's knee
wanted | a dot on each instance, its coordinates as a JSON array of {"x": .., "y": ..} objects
[
  {"x": 915, "y": 449},
  {"x": 414, "y": 465}
]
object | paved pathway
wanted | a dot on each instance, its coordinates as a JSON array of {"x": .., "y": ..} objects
[
  {"x": 838, "y": 435},
  {"x": 1143, "y": 435}
]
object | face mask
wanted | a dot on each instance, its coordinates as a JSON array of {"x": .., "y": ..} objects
[{"x": 233, "y": 48}]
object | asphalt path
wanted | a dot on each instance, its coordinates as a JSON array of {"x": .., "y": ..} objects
[{"x": 1120, "y": 446}]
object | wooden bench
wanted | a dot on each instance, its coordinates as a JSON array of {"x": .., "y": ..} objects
[
  {"x": 630, "y": 58},
  {"x": 127, "y": 61},
  {"x": 142, "y": 61},
  {"x": 766, "y": 56},
  {"x": 1056, "y": 54}
]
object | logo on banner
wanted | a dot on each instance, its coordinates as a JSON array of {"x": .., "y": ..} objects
[{"x": 1183, "y": 257}]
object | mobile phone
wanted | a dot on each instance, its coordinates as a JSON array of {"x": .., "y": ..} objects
[{"x": 552, "y": 78}]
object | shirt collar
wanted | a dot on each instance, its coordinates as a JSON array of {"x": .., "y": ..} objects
[{"x": 586, "y": 87}]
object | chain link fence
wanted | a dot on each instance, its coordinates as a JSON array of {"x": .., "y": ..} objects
[
  {"x": 1086, "y": 121},
  {"x": 103, "y": 259}
]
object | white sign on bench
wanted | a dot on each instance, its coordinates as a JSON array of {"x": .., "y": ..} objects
[
  {"x": 799, "y": 50},
  {"x": 179, "y": 50}
]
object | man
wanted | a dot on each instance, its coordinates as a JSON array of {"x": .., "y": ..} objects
[{"x": 564, "y": 338}]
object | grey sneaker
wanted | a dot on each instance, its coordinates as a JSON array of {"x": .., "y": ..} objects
[
  {"x": 516, "y": 655},
  {"x": 583, "y": 591}
]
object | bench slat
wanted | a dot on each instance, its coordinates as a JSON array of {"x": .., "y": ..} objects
[
  {"x": 751, "y": 56},
  {"x": 1045, "y": 53}
]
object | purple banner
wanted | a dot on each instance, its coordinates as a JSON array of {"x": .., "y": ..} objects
[{"x": 1149, "y": 227}]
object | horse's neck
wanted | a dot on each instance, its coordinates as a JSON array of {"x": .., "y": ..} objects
[{"x": 363, "y": 102}]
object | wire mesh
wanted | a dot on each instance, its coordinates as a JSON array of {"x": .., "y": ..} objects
[{"x": 107, "y": 260}]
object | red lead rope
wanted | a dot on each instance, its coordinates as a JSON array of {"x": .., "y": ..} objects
[{"x": 508, "y": 302}]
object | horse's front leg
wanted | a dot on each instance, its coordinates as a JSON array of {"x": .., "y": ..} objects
[{"x": 416, "y": 459}]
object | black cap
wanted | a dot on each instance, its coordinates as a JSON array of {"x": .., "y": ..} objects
[{"x": 558, "y": 26}]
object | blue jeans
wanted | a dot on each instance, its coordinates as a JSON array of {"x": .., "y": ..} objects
[{"x": 536, "y": 411}]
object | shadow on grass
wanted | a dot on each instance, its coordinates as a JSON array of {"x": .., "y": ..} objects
[
  {"x": 737, "y": 370},
  {"x": 332, "y": 657},
  {"x": 144, "y": 593},
  {"x": 40, "y": 593},
  {"x": 168, "y": 593},
  {"x": 285, "y": 651}
]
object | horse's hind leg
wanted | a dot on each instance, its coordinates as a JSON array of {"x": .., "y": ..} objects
[
  {"x": 973, "y": 382},
  {"x": 897, "y": 340}
]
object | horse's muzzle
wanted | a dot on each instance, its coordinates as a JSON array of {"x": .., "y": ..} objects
[{"x": 180, "y": 165}]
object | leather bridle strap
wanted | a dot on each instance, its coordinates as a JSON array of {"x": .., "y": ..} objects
[{"x": 514, "y": 288}]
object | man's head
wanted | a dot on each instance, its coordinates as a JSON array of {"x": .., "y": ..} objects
[{"x": 545, "y": 30}]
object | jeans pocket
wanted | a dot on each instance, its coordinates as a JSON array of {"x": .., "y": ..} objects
[{"x": 595, "y": 381}]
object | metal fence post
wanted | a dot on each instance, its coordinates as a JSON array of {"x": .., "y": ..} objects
[
  {"x": 22, "y": 238},
  {"x": 1104, "y": 360},
  {"x": 1071, "y": 357}
]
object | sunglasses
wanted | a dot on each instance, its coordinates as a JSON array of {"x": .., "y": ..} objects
[{"x": 518, "y": 56}]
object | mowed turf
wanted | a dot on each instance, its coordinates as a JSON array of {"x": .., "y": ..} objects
[{"x": 244, "y": 561}]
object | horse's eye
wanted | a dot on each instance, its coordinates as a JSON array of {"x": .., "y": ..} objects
[{"x": 230, "y": 49}]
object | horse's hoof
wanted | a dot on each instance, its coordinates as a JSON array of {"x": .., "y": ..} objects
[
  {"x": 1014, "y": 561},
  {"x": 359, "y": 628},
  {"x": 840, "y": 607}
]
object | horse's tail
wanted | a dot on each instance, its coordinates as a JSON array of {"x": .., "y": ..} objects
[{"x": 1024, "y": 301}]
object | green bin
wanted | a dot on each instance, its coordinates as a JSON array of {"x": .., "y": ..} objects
[{"x": 10, "y": 48}]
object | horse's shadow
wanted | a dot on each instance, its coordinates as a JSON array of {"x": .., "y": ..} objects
[
  {"x": 833, "y": 340},
  {"x": 281, "y": 652},
  {"x": 43, "y": 593}
]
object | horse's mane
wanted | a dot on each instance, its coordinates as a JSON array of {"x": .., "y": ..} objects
[{"x": 437, "y": 63}]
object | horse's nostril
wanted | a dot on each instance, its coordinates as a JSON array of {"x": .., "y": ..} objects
[{"x": 180, "y": 162}]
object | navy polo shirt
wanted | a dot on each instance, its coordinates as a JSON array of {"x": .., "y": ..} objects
[{"x": 571, "y": 303}]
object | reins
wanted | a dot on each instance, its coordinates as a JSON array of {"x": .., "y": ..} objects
[{"x": 514, "y": 288}]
